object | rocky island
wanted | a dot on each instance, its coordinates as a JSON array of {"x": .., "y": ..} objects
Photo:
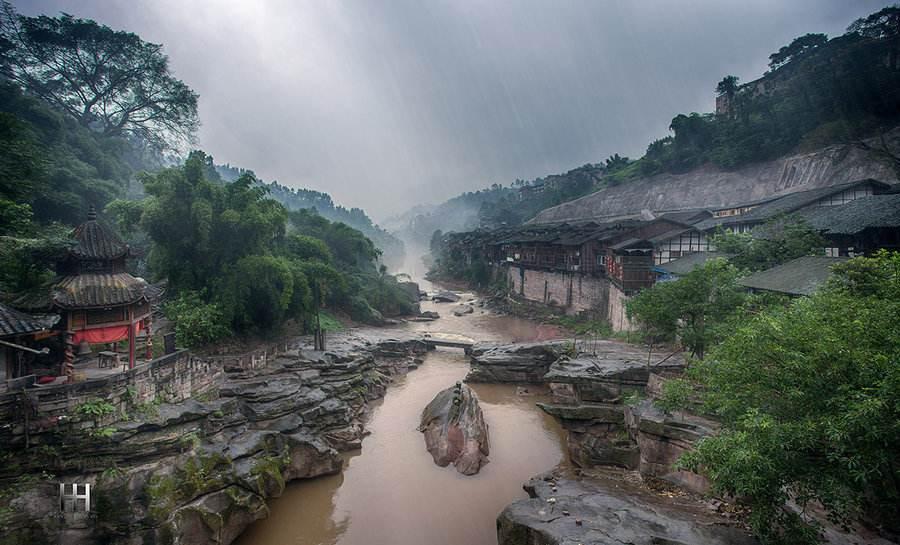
[{"x": 455, "y": 431}]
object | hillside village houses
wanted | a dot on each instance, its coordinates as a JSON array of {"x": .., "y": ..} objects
[{"x": 596, "y": 265}]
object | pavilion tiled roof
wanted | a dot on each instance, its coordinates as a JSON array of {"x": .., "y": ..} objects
[
  {"x": 94, "y": 240},
  {"x": 14, "y": 323},
  {"x": 97, "y": 290}
]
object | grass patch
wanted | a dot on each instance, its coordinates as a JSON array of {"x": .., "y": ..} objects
[{"x": 329, "y": 321}]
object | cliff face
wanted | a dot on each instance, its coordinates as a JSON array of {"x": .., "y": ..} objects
[{"x": 711, "y": 187}]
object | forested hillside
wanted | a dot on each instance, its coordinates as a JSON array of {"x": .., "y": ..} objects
[
  {"x": 305, "y": 199},
  {"x": 818, "y": 92}
]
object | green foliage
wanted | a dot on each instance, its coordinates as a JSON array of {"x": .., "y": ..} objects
[
  {"x": 694, "y": 307},
  {"x": 349, "y": 247},
  {"x": 196, "y": 323},
  {"x": 809, "y": 396},
  {"x": 305, "y": 247},
  {"x": 778, "y": 241},
  {"x": 391, "y": 248},
  {"x": 259, "y": 291},
  {"x": 26, "y": 261},
  {"x": 51, "y": 165},
  {"x": 95, "y": 408},
  {"x": 102, "y": 78},
  {"x": 101, "y": 433},
  {"x": 676, "y": 395},
  {"x": 125, "y": 216}
]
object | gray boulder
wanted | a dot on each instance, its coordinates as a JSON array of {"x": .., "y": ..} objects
[
  {"x": 445, "y": 297},
  {"x": 455, "y": 431},
  {"x": 517, "y": 363},
  {"x": 601, "y": 511}
]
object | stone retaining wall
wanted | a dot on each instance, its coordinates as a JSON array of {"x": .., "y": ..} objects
[
  {"x": 28, "y": 415},
  {"x": 572, "y": 291}
]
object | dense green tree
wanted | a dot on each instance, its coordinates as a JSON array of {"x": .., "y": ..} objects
[
  {"x": 778, "y": 241},
  {"x": 728, "y": 86},
  {"x": 694, "y": 308},
  {"x": 125, "y": 216},
  {"x": 809, "y": 396},
  {"x": 200, "y": 228},
  {"x": 53, "y": 166},
  {"x": 305, "y": 247},
  {"x": 349, "y": 247},
  {"x": 259, "y": 292},
  {"x": 196, "y": 322},
  {"x": 799, "y": 46},
  {"x": 106, "y": 79}
]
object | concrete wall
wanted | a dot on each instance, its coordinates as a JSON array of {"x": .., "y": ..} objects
[
  {"x": 616, "y": 315},
  {"x": 572, "y": 291}
]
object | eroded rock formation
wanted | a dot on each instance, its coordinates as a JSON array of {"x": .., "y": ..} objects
[
  {"x": 525, "y": 362},
  {"x": 455, "y": 431},
  {"x": 600, "y": 510},
  {"x": 199, "y": 472}
]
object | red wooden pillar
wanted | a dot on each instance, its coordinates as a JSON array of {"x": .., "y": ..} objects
[
  {"x": 68, "y": 365},
  {"x": 131, "y": 339}
]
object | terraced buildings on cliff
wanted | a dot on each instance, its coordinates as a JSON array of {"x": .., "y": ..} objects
[{"x": 594, "y": 263}]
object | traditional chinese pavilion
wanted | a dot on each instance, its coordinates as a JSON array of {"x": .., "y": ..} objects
[{"x": 97, "y": 300}]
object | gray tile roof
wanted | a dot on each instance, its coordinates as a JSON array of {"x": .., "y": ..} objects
[
  {"x": 785, "y": 205},
  {"x": 14, "y": 323},
  {"x": 686, "y": 264},
  {"x": 855, "y": 216},
  {"x": 800, "y": 276},
  {"x": 94, "y": 240}
]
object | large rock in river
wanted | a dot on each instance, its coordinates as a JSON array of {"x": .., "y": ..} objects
[
  {"x": 455, "y": 431},
  {"x": 523, "y": 362}
]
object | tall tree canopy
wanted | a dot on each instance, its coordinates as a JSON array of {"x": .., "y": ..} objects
[
  {"x": 809, "y": 397},
  {"x": 108, "y": 80}
]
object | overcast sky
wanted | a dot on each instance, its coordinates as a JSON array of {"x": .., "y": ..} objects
[{"x": 385, "y": 104}]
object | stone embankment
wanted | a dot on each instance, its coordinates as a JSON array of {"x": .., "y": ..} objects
[
  {"x": 604, "y": 401},
  {"x": 200, "y": 471}
]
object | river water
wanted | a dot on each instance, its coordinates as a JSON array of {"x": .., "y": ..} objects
[{"x": 391, "y": 492}]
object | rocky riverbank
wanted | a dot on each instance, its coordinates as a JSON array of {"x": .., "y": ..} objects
[
  {"x": 602, "y": 395},
  {"x": 613, "y": 508},
  {"x": 200, "y": 471}
]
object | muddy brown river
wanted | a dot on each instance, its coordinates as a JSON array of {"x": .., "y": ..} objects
[{"x": 390, "y": 492}]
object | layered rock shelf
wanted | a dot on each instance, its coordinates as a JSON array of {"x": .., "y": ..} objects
[
  {"x": 199, "y": 472},
  {"x": 605, "y": 509},
  {"x": 515, "y": 363}
]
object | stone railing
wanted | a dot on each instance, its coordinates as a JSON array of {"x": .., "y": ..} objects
[
  {"x": 28, "y": 412},
  {"x": 254, "y": 359}
]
